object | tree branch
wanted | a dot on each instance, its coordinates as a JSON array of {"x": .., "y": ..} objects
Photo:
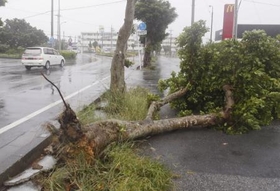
[{"x": 155, "y": 106}]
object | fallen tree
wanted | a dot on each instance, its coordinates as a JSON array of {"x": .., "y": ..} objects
[
  {"x": 93, "y": 138},
  {"x": 232, "y": 84},
  {"x": 236, "y": 96}
]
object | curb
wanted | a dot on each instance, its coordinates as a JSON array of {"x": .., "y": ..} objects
[{"x": 32, "y": 153}]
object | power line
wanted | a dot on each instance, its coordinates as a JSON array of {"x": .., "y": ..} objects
[
  {"x": 37, "y": 14},
  {"x": 258, "y": 2},
  {"x": 85, "y": 7},
  {"x": 76, "y": 8}
]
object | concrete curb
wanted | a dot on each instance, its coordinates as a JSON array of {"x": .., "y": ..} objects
[{"x": 32, "y": 153}]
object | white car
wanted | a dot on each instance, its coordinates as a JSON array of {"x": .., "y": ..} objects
[{"x": 41, "y": 57}]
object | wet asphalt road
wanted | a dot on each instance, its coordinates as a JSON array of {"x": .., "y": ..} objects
[
  {"x": 23, "y": 92},
  {"x": 28, "y": 101}
]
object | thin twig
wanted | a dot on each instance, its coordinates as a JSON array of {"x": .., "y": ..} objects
[{"x": 56, "y": 88}]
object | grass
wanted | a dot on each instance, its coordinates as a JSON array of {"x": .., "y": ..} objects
[
  {"x": 12, "y": 56},
  {"x": 87, "y": 115},
  {"x": 120, "y": 168},
  {"x": 131, "y": 106}
]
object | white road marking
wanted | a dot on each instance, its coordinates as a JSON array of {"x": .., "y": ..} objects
[{"x": 18, "y": 122}]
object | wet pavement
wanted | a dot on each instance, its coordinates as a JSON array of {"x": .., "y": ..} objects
[
  {"x": 29, "y": 102},
  {"x": 205, "y": 159}
]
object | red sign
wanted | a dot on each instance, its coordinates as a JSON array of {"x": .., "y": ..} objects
[{"x": 228, "y": 21}]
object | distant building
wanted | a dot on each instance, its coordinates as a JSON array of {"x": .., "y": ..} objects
[
  {"x": 169, "y": 42},
  {"x": 271, "y": 30},
  {"x": 105, "y": 40}
]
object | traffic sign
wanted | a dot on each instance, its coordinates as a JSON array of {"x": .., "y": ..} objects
[
  {"x": 142, "y": 26},
  {"x": 141, "y": 32},
  {"x": 51, "y": 40}
]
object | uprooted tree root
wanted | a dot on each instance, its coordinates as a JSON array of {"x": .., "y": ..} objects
[{"x": 69, "y": 140}]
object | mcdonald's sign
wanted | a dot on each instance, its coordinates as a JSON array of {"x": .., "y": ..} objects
[
  {"x": 229, "y": 8},
  {"x": 228, "y": 21}
]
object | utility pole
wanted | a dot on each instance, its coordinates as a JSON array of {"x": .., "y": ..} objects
[
  {"x": 234, "y": 32},
  {"x": 170, "y": 43},
  {"x": 52, "y": 19},
  {"x": 111, "y": 39},
  {"x": 193, "y": 9},
  {"x": 58, "y": 27},
  {"x": 52, "y": 39},
  {"x": 211, "y": 30}
]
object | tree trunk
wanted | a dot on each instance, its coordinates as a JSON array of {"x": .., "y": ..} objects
[
  {"x": 147, "y": 54},
  {"x": 117, "y": 66},
  {"x": 96, "y": 136}
]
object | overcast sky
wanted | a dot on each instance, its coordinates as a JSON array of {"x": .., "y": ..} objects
[{"x": 88, "y": 15}]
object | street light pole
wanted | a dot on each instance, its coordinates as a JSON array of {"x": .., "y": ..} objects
[
  {"x": 211, "y": 30},
  {"x": 58, "y": 27},
  {"x": 60, "y": 34},
  {"x": 193, "y": 9},
  {"x": 234, "y": 32},
  {"x": 52, "y": 19}
]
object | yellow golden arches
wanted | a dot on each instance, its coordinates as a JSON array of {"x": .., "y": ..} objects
[{"x": 229, "y": 8}]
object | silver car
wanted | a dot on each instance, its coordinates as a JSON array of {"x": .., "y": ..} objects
[{"x": 41, "y": 57}]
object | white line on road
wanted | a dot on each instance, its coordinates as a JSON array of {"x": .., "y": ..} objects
[{"x": 18, "y": 122}]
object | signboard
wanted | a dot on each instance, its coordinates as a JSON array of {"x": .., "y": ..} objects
[
  {"x": 51, "y": 40},
  {"x": 142, "y": 26},
  {"x": 228, "y": 21},
  {"x": 142, "y": 32}
]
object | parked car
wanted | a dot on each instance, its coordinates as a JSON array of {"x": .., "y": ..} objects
[{"x": 41, "y": 57}]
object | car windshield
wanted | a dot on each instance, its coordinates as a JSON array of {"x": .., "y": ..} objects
[{"x": 32, "y": 51}]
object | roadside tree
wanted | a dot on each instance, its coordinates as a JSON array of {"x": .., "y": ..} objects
[
  {"x": 118, "y": 61},
  {"x": 95, "y": 44},
  {"x": 157, "y": 14},
  {"x": 249, "y": 69},
  {"x": 18, "y": 33},
  {"x": 2, "y": 3}
]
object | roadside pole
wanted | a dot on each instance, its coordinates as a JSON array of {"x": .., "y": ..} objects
[
  {"x": 235, "y": 19},
  {"x": 141, "y": 32},
  {"x": 139, "y": 51}
]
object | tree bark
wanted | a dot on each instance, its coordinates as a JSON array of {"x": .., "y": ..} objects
[
  {"x": 117, "y": 66},
  {"x": 96, "y": 136},
  {"x": 147, "y": 54}
]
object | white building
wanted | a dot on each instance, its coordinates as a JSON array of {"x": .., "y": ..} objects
[
  {"x": 169, "y": 42},
  {"x": 105, "y": 40}
]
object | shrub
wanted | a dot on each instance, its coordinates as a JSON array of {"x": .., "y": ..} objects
[{"x": 68, "y": 54}]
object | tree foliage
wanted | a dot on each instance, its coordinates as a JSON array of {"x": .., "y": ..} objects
[
  {"x": 251, "y": 67},
  {"x": 2, "y": 3},
  {"x": 18, "y": 33},
  {"x": 157, "y": 14}
]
